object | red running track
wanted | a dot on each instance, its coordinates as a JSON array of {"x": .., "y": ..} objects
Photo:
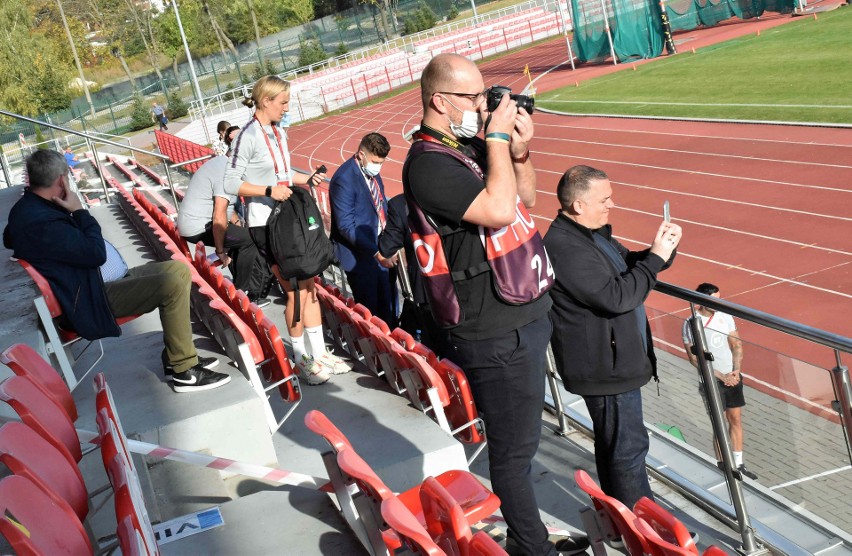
[{"x": 766, "y": 210}]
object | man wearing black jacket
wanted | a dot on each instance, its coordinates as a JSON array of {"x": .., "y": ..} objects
[
  {"x": 601, "y": 336},
  {"x": 49, "y": 228}
]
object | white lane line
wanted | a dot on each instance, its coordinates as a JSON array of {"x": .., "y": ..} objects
[
  {"x": 751, "y": 234},
  {"x": 812, "y": 477},
  {"x": 707, "y": 154},
  {"x": 685, "y": 171},
  {"x": 707, "y": 197},
  {"x": 586, "y": 128},
  {"x": 778, "y": 279},
  {"x": 639, "y": 102}
]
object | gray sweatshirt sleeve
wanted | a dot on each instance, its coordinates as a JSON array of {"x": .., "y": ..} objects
[{"x": 238, "y": 162}]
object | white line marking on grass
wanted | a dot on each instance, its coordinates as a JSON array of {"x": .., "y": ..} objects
[
  {"x": 812, "y": 477},
  {"x": 698, "y": 153},
  {"x": 694, "y": 172},
  {"x": 691, "y": 135}
]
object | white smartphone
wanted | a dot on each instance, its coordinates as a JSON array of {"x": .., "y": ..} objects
[{"x": 666, "y": 214}]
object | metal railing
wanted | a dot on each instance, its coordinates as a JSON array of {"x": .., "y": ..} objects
[
  {"x": 736, "y": 516},
  {"x": 91, "y": 142}
]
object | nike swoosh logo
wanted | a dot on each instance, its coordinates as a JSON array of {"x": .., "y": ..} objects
[{"x": 193, "y": 381}]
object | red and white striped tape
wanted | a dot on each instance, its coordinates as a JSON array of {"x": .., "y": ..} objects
[{"x": 273, "y": 474}]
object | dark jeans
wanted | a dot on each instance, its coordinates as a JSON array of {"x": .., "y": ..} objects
[
  {"x": 241, "y": 249},
  {"x": 621, "y": 444},
  {"x": 375, "y": 288},
  {"x": 506, "y": 375}
]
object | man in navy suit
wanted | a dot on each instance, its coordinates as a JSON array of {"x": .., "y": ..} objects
[{"x": 358, "y": 215}]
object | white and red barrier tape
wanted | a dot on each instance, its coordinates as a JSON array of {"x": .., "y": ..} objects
[{"x": 273, "y": 474}]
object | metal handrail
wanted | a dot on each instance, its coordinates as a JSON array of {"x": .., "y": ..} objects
[
  {"x": 90, "y": 140},
  {"x": 833, "y": 341}
]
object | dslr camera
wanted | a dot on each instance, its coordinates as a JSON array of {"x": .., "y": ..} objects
[{"x": 495, "y": 94}]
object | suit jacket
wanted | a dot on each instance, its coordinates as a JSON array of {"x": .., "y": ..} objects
[
  {"x": 354, "y": 221},
  {"x": 68, "y": 250}
]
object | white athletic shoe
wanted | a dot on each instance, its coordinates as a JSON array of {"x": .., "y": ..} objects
[
  {"x": 311, "y": 372},
  {"x": 333, "y": 364}
]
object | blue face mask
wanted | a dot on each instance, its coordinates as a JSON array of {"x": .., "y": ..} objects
[{"x": 285, "y": 120}]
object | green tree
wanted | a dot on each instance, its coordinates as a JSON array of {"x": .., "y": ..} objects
[
  {"x": 177, "y": 108},
  {"x": 423, "y": 18},
  {"x": 311, "y": 52},
  {"x": 140, "y": 116},
  {"x": 34, "y": 75}
]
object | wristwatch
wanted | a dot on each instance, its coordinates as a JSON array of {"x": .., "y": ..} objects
[{"x": 268, "y": 191}]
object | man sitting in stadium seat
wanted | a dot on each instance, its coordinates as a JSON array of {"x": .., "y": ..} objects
[{"x": 49, "y": 228}]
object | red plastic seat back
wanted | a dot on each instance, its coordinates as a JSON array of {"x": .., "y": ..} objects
[
  {"x": 621, "y": 516},
  {"x": 659, "y": 547},
  {"x": 27, "y": 454},
  {"x": 42, "y": 414},
  {"x": 483, "y": 545},
  {"x": 667, "y": 526},
  {"x": 411, "y": 531},
  {"x": 445, "y": 519},
  {"x": 34, "y": 524},
  {"x": 317, "y": 422},
  {"x": 43, "y": 287},
  {"x": 462, "y": 408},
  {"x": 25, "y": 361}
]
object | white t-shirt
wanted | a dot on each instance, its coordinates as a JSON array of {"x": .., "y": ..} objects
[{"x": 717, "y": 328}]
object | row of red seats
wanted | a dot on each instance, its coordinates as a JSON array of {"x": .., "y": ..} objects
[
  {"x": 439, "y": 388},
  {"x": 180, "y": 150},
  {"x": 417, "y": 517},
  {"x": 44, "y": 504},
  {"x": 649, "y": 529},
  {"x": 226, "y": 313}
]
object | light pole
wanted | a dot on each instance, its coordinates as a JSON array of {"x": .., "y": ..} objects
[
  {"x": 83, "y": 82},
  {"x": 475, "y": 17},
  {"x": 196, "y": 88}
]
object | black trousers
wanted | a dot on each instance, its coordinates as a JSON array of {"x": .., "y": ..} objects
[{"x": 241, "y": 249}]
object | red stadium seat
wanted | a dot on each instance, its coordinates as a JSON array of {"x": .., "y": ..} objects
[
  {"x": 35, "y": 524},
  {"x": 667, "y": 526},
  {"x": 408, "y": 528},
  {"x": 25, "y": 361},
  {"x": 42, "y": 414},
  {"x": 483, "y": 545},
  {"x": 57, "y": 336},
  {"x": 29, "y": 455},
  {"x": 620, "y": 521},
  {"x": 445, "y": 520}
]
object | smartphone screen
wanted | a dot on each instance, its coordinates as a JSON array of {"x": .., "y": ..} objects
[{"x": 666, "y": 214}]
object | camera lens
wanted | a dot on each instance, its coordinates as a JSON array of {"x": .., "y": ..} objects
[{"x": 495, "y": 95}]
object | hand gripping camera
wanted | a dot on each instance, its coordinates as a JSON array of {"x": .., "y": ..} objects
[{"x": 495, "y": 94}]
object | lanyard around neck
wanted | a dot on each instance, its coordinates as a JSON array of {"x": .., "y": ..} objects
[
  {"x": 269, "y": 146},
  {"x": 426, "y": 133}
]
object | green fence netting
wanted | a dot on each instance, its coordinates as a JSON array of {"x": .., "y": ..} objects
[
  {"x": 590, "y": 41},
  {"x": 689, "y": 14},
  {"x": 637, "y": 29}
]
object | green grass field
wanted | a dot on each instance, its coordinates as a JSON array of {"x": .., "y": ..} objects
[{"x": 799, "y": 71}]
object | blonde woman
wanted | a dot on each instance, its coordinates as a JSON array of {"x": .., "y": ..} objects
[{"x": 259, "y": 170}]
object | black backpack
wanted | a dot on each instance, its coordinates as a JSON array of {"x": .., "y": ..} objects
[{"x": 297, "y": 239}]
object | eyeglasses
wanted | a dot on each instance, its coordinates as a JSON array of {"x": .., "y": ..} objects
[{"x": 475, "y": 98}]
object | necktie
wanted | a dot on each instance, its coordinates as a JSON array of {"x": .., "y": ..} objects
[{"x": 377, "y": 200}]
